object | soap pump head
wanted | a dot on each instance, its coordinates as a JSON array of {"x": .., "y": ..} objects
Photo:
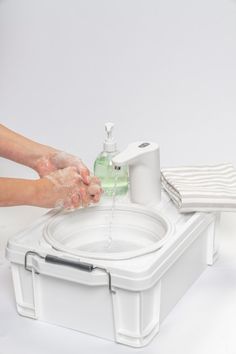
[{"x": 109, "y": 143}]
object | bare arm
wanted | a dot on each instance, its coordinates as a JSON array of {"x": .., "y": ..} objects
[
  {"x": 14, "y": 191},
  {"x": 42, "y": 158},
  {"x": 63, "y": 189},
  {"x": 17, "y": 148},
  {"x": 64, "y": 177}
]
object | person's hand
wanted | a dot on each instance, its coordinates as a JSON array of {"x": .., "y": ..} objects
[
  {"x": 65, "y": 188},
  {"x": 59, "y": 160}
]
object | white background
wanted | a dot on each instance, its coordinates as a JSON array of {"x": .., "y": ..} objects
[{"x": 162, "y": 70}]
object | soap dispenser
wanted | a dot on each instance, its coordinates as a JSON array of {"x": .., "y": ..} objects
[{"x": 113, "y": 181}]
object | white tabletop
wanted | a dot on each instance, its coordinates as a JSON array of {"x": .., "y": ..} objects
[{"x": 204, "y": 321}]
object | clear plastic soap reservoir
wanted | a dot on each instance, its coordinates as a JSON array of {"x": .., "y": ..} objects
[{"x": 113, "y": 181}]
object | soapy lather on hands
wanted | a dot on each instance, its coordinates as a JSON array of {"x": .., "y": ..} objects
[
  {"x": 56, "y": 160},
  {"x": 67, "y": 189},
  {"x": 64, "y": 182}
]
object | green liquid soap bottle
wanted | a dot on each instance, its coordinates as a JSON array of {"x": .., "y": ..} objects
[{"x": 113, "y": 181}]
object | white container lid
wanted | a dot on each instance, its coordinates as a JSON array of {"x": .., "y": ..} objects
[{"x": 128, "y": 270}]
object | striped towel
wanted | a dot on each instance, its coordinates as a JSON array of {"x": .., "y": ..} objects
[{"x": 201, "y": 188}]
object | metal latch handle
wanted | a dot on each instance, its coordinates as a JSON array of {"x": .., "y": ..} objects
[
  {"x": 75, "y": 264},
  {"x": 66, "y": 262}
]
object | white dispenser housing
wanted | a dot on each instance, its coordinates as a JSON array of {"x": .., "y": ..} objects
[{"x": 143, "y": 159}]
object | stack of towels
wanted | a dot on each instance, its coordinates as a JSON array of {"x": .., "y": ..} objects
[{"x": 201, "y": 188}]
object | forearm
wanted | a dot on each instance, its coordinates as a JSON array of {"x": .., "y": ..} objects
[
  {"x": 63, "y": 188},
  {"x": 15, "y": 191},
  {"x": 16, "y": 147}
]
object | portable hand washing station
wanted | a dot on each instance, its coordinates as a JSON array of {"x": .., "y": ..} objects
[{"x": 64, "y": 273}]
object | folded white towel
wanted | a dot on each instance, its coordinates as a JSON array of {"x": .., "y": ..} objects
[{"x": 201, "y": 188}]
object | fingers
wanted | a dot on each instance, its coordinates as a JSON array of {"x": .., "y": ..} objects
[
  {"x": 85, "y": 174},
  {"x": 84, "y": 197},
  {"x": 95, "y": 180},
  {"x": 95, "y": 198},
  {"x": 62, "y": 160},
  {"x": 94, "y": 191},
  {"x": 75, "y": 200},
  {"x": 70, "y": 189},
  {"x": 90, "y": 193}
]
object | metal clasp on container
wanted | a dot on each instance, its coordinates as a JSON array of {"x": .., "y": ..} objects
[{"x": 88, "y": 267}]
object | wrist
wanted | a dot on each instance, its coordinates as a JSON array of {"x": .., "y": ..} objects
[
  {"x": 42, "y": 160},
  {"x": 40, "y": 192},
  {"x": 16, "y": 191}
]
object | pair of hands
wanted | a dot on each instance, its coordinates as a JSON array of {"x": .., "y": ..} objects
[{"x": 65, "y": 182}]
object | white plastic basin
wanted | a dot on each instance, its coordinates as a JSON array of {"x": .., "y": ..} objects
[{"x": 89, "y": 233}]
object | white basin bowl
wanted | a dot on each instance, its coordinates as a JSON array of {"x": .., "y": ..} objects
[{"x": 89, "y": 233}]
